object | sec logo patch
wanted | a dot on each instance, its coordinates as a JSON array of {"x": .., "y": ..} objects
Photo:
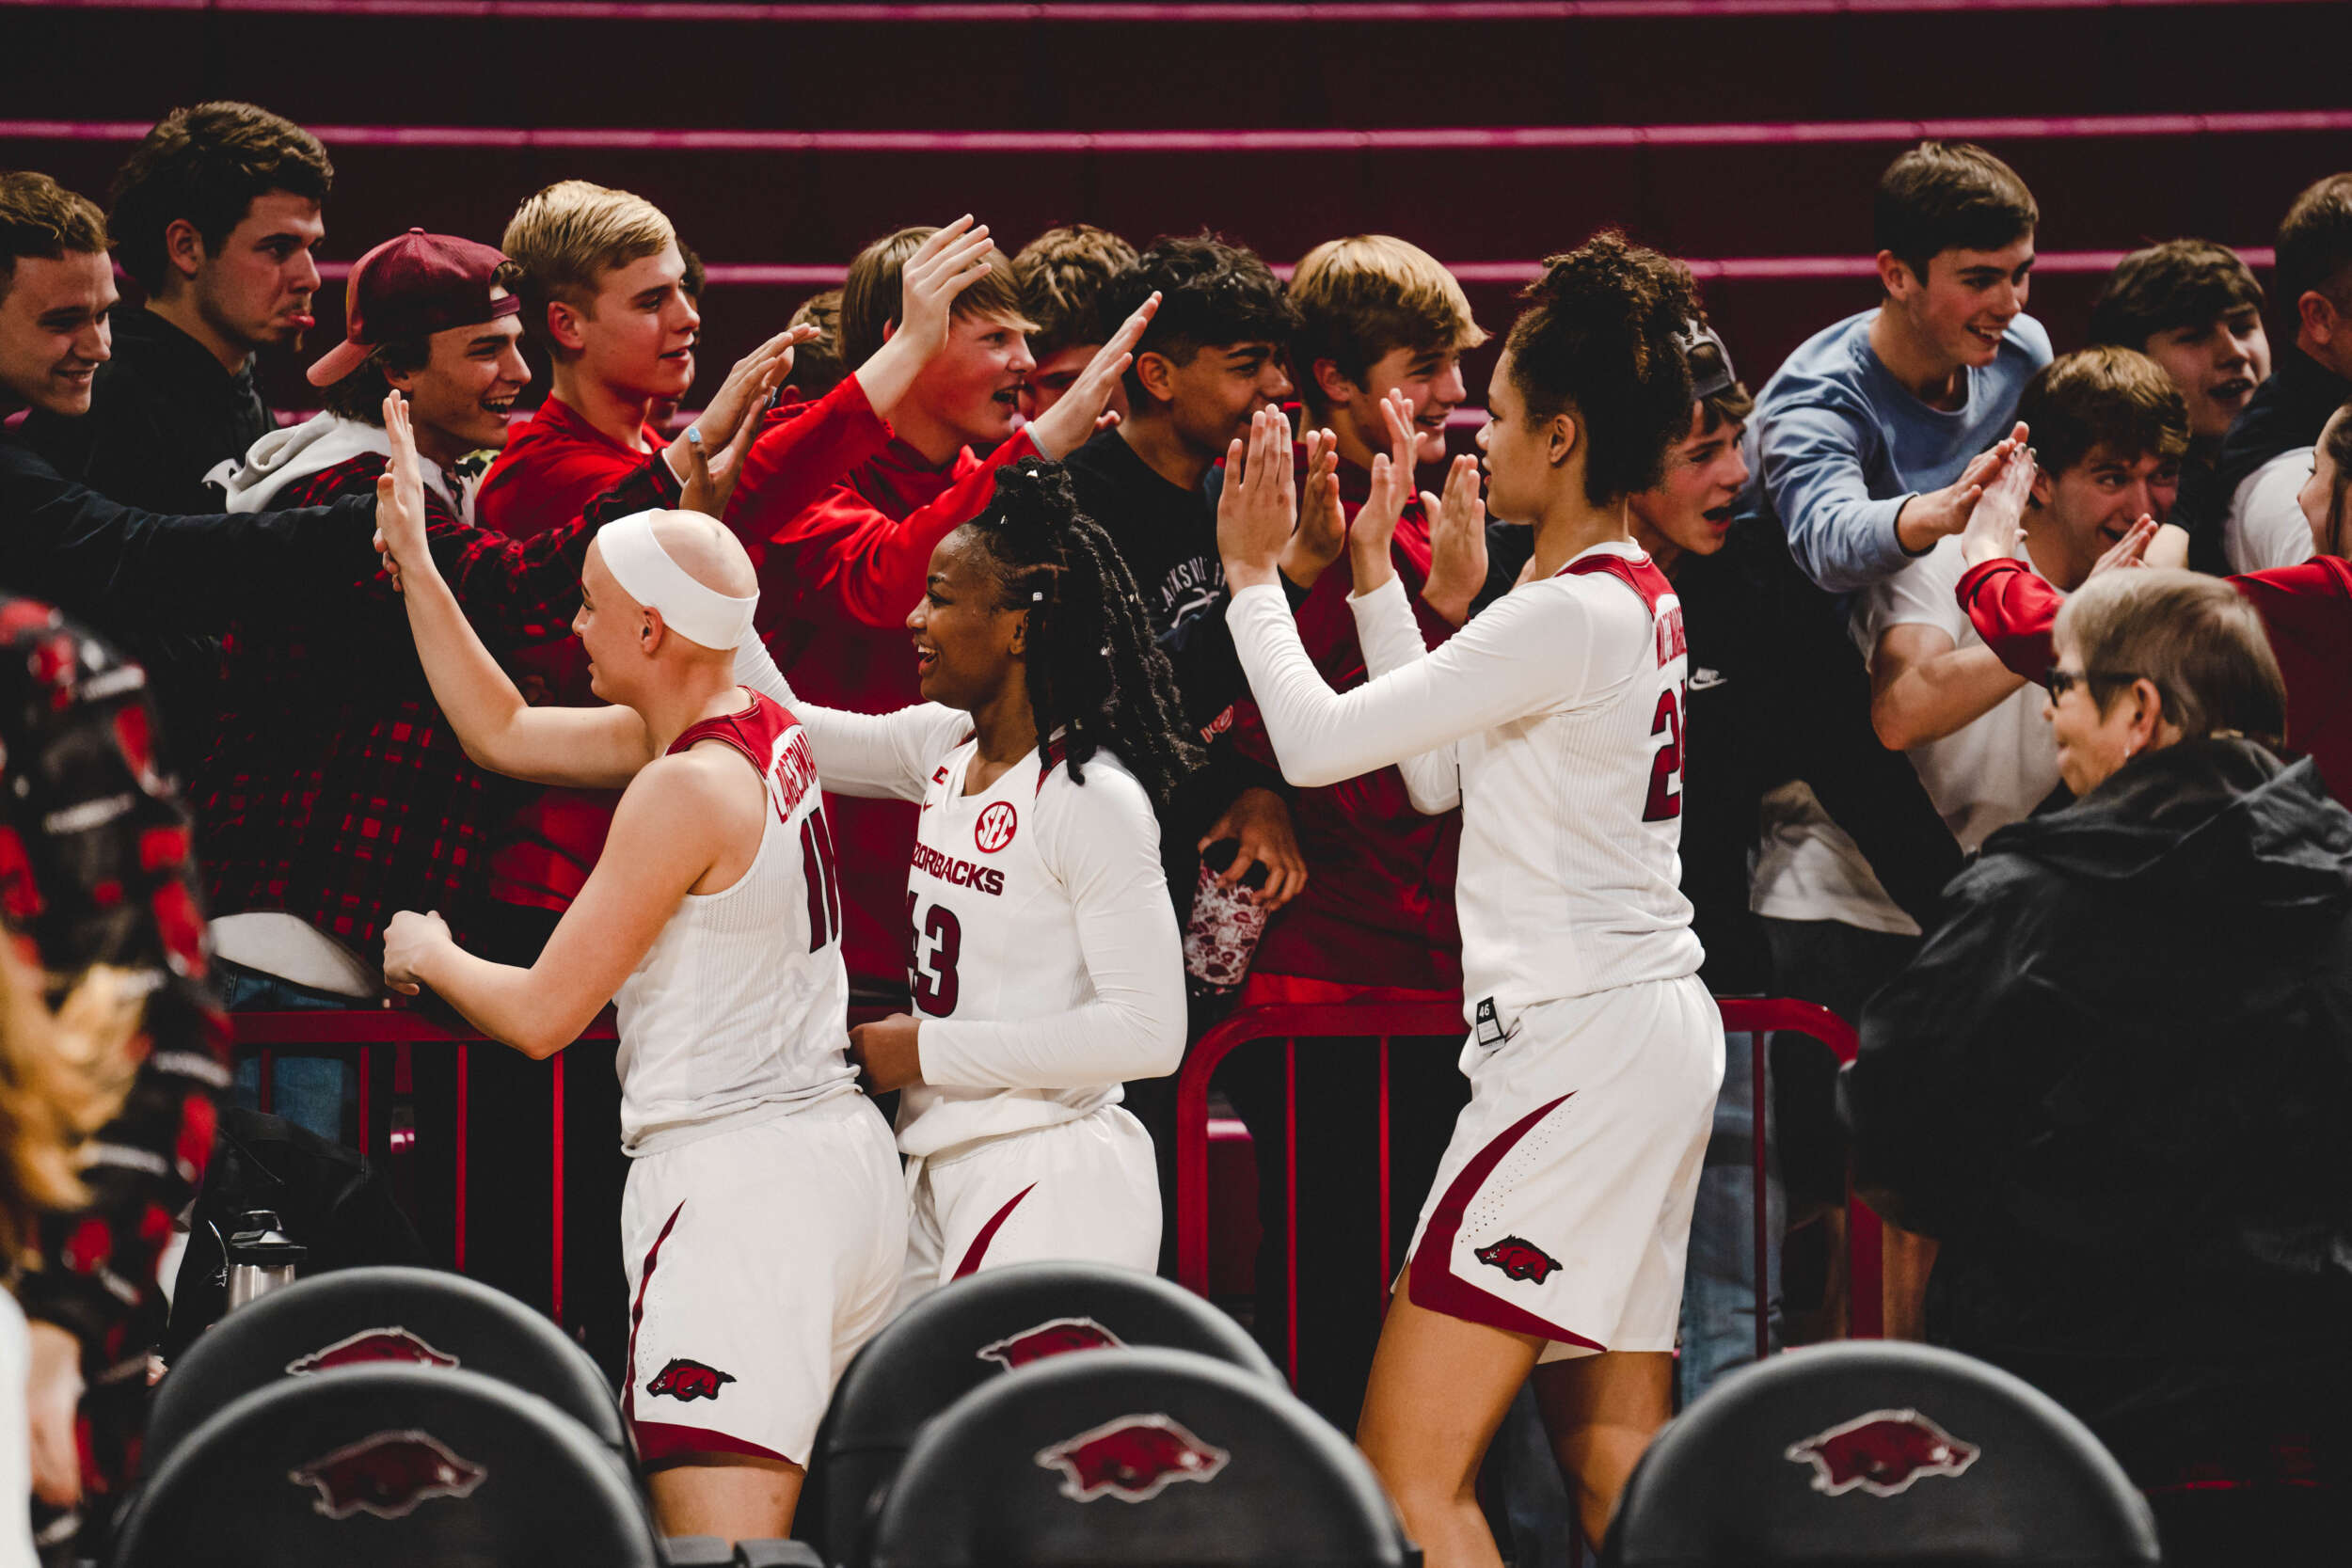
[{"x": 994, "y": 828}]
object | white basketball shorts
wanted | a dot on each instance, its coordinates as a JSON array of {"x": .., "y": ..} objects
[
  {"x": 1087, "y": 1190},
  {"x": 760, "y": 1259},
  {"x": 1563, "y": 1206}
]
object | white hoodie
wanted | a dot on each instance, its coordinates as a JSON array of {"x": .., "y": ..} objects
[{"x": 317, "y": 444}]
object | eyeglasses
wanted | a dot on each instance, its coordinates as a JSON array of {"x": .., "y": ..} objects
[{"x": 2060, "y": 682}]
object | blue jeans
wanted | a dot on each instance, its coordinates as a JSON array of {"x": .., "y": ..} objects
[
  {"x": 1719, "y": 1285},
  {"x": 308, "y": 1091}
]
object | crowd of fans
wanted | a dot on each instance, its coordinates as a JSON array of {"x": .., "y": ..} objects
[{"x": 1936, "y": 577}]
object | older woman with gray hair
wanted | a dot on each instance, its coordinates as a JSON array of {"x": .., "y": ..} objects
[{"x": 2116, "y": 1082}]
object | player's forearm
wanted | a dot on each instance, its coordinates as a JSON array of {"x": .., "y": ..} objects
[
  {"x": 1940, "y": 696},
  {"x": 475, "y": 695},
  {"x": 1104, "y": 1041},
  {"x": 514, "y": 1006}
]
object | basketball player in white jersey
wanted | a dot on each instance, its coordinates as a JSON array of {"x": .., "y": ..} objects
[
  {"x": 763, "y": 1220},
  {"x": 1555, "y": 1233},
  {"x": 1044, "y": 953}
]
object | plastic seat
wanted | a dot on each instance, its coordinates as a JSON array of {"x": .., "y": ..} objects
[
  {"x": 376, "y": 1317},
  {"x": 972, "y": 1333},
  {"x": 1141, "y": 1458},
  {"x": 388, "y": 1467},
  {"x": 1877, "y": 1452}
]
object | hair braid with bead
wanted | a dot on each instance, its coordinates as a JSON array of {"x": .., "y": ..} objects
[{"x": 1095, "y": 670}]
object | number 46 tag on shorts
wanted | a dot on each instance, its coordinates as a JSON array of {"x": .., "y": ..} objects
[{"x": 1490, "y": 1031}]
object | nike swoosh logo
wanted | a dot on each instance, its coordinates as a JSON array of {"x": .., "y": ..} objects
[{"x": 1707, "y": 680}]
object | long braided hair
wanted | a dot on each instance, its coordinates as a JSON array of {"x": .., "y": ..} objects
[{"x": 1095, "y": 672}]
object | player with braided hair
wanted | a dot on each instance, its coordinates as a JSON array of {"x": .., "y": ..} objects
[
  {"x": 1043, "y": 948},
  {"x": 1554, "y": 1236}
]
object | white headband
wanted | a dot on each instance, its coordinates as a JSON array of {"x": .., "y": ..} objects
[{"x": 647, "y": 574}]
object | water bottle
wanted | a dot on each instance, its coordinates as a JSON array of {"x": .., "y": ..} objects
[
  {"x": 262, "y": 1256},
  {"x": 1222, "y": 936}
]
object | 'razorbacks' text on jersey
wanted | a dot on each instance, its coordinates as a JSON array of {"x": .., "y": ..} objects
[
  {"x": 736, "y": 1009},
  {"x": 1554, "y": 720}
]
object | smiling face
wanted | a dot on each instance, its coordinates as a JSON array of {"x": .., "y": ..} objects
[
  {"x": 2092, "y": 743},
  {"x": 972, "y": 387},
  {"x": 462, "y": 397},
  {"x": 53, "y": 330},
  {"x": 966, "y": 641},
  {"x": 1431, "y": 380},
  {"x": 2217, "y": 366},
  {"x": 1515, "y": 450},
  {"x": 2092, "y": 505},
  {"x": 1210, "y": 398},
  {"x": 637, "y": 336},
  {"x": 607, "y": 624},
  {"x": 1691, "y": 508},
  {"x": 1967, "y": 300},
  {"x": 257, "y": 290}
]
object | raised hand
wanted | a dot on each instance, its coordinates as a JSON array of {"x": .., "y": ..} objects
[
  {"x": 1259, "y": 504},
  {"x": 707, "y": 483},
  {"x": 1995, "y": 528},
  {"x": 2130, "y": 550},
  {"x": 400, "y": 522},
  {"x": 1458, "y": 542},
  {"x": 1322, "y": 531},
  {"x": 1064, "y": 428},
  {"x": 952, "y": 261},
  {"x": 1928, "y": 518}
]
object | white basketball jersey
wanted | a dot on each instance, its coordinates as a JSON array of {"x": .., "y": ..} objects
[
  {"x": 739, "y": 1010},
  {"x": 994, "y": 932}
]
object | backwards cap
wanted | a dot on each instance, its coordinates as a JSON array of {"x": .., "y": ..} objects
[{"x": 413, "y": 287}]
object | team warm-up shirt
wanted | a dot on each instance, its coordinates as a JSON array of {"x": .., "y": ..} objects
[
  {"x": 735, "y": 1014},
  {"x": 1554, "y": 720},
  {"x": 1044, "y": 953}
]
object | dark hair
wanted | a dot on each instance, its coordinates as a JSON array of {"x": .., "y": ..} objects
[
  {"x": 816, "y": 367},
  {"x": 870, "y": 294},
  {"x": 1601, "y": 340},
  {"x": 1064, "y": 274},
  {"x": 2195, "y": 638},
  {"x": 1211, "y": 294},
  {"x": 40, "y": 218},
  {"x": 2169, "y": 285},
  {"x": 1945, "y": 196},
  {"x": 1708, "y": 359},
  {"x": 2114, "y": 396},
  {"x": 2315, "y": 244},
  {"x": 361, "y": 394},
  {"x": 207, "y": 165},
  {"x": 1095, "y": 670}
]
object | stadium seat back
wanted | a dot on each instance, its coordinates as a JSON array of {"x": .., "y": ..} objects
[
  {"x": 385, "y": 1316},
  {"x": 974, "y": 1332},
  {"x": 1877, "y": 1452},
  {"x": 388, "y": 1467},
  {"x": 1140, "y": 1458}
]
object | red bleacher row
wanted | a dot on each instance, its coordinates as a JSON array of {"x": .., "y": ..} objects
[{"x": 1216, "y": 1178}]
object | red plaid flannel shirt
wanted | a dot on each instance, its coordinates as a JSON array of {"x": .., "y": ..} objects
[{"x": 336, "y": 791}]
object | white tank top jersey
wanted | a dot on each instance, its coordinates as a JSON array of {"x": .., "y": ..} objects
[
  {"x": 1554, "y": 720},
  {"x": 737, "y": 1011},
  {"x": 1044, "y": 953}
]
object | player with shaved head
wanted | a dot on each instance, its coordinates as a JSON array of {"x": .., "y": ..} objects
[{"x": 713, "y": 919}]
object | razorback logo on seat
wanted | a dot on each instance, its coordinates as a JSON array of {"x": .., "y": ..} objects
[
  {"x": 1519, "y": 1258},
  {"x": 368, "y": 1347},
  {"x": 388, "y": 1475},
  {"x": 1053, "y": 1337},
  {"x": 1881, "y": 1452},
  {"x": 688, "y": 1380},
  {"x": 1134, "y": 1458}
]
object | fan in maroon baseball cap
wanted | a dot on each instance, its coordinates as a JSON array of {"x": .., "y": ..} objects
[{"x": 410, "y": 288}]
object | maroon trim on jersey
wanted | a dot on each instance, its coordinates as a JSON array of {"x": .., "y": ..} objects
[
  {"x": 1642, "y": 576},
  {"x": 753, "y": 732},
  {"x": 637, "y": 1312},
  {"x": 979, "y": 1249},
  {"x": 1431, "y": 1280},
  {"x": 664, "y": 1440},
  {"x": 1049, "y": 757}
]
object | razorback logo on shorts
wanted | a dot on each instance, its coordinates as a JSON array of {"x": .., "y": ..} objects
[
  {"x": 1054, "y": 1336},
  {"x": 688, "y": 1380},
  {"x": 368, "y": 1347},
  {"x": 387, "y": 1474},
  {"x": 1134, "y": 1458},
  {"x": 1881, "y": 1452},
  {"x": 1519, "y": 1258}
]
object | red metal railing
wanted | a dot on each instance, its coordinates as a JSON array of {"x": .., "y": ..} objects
[{"x": 1346, "y": 1026}]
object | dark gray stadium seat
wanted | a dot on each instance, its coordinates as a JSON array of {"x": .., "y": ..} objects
[
  {"x": 375, "y": 1317},
  {"x": 1877, "y": 1452},
  {"x": 971, "y": 1333},
  {"x": 1140, "y": 1458},
  {"x": 388, "y": 1467}
]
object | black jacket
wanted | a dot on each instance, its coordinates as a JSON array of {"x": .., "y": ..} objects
[
  {"x": 2117, "y": 1082},
  {"x": 1777, "y": 693},
  {"x": 122, "y": 570}
]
